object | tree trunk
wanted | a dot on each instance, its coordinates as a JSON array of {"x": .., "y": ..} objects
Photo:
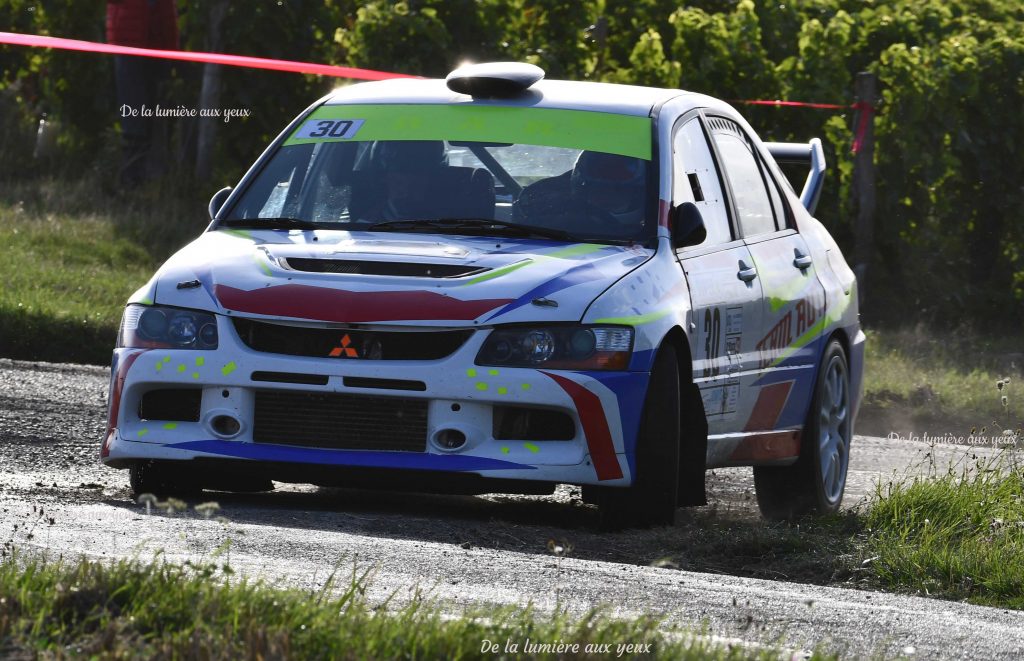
[
  {"x": 209, "y": 94},
  {"x": 864, "y": 177}
]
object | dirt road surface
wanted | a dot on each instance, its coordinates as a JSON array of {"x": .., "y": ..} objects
[{"x": 461, "y": 550}]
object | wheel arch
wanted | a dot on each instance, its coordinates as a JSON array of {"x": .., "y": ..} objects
[{"x": 844, "y": 340}]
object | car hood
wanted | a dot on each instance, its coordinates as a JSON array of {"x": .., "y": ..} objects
[{"x": 393, "y": 278}]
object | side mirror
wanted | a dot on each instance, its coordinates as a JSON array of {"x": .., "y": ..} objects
[
  {"x": 218, "y": 200},
  {"x": 687, "y": 225}
]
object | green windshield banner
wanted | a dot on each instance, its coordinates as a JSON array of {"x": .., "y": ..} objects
[{"x": 626, "y": 135}]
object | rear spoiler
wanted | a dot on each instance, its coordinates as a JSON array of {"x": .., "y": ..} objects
[{"x": 800, "y": 153}]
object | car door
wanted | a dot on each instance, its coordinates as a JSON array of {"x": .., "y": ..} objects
[
  {"x": 794, "y": 300},
  {"x": 725, "y": 291}
]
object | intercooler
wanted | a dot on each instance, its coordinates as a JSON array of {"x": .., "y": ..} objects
[{"x": 340, "y": 421}]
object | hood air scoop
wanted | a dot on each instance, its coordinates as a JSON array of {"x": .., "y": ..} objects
[{"x": 401, "y": 269}]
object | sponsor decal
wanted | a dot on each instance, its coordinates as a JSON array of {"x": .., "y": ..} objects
[
  {"x": 626, "y": 135},
  {"x": 807, "y": 316},
  {"x": 338, "y": 129},
  {"x": 721, "y": 399}
]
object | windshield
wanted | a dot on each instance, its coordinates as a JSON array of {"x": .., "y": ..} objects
[{"x": 584, "y": 175}]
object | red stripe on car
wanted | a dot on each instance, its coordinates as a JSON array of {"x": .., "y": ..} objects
[
  {"x": 323, "y": 304},
  {"x": 663, "y": 213},
  {"x": 768, "y": 406},
  {"x": 115, "y": 398},
  {"x": 595, "y": 428}
]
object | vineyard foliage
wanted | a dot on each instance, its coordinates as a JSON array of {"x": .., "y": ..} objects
[{"x": 949, "y": 223}]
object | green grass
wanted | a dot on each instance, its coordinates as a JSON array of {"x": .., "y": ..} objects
[
  {"x": 956, "y": 535},
  {"x": 959, "y": 535},
  {"x": 924, "y": 380},
  {"x": 133, "y": 610},
  {"x": 73, "y": 255}
]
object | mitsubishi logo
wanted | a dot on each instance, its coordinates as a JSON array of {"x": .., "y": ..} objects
[{"x": 344, "y": 351}]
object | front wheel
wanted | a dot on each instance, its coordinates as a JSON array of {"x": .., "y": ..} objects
[
  {"x": 652, "y": 498},
  {"x": 160, "y": 479},
  {"x": 815, "y": 483}
]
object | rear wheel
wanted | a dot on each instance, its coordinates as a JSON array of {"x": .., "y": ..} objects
[
  {"x": 815, "y": 483},
  {"x": 652, "y": 498}
]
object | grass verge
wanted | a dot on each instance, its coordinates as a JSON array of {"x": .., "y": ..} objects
[
  {"x": 959, "y": 535},
  {"x": 958, "y": 382},
  {"x": 73, "y": 255},
  {"x": 133, "y": 610}
]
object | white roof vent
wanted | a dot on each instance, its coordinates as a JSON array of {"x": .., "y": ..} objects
[{"x": 494, "y": 79}]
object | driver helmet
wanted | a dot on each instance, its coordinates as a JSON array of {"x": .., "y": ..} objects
[
  {"x": 612, "y": 183},
  {"x": 412, "y": 156},
  {"x": 408, "y": 166}
]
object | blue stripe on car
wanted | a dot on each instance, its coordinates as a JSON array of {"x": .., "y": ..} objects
[{"x": 416, "y": 460}]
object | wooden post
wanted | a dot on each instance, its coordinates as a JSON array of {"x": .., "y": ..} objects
[
  {"x": 866, "y": 91},
  {"x": 209, "y": 94}
]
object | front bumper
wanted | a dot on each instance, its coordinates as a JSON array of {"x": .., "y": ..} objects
[{"x": 458, "y": 395}]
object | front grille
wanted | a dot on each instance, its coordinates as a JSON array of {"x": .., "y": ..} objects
[
  {"x": 180, "y": 404},
  {"x": 340, "y": 421},
  {"x": 347, "y": 343},
  {"x": 404, "y": 269}
]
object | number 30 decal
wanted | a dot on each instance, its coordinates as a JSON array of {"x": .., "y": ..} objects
[
  {"x": 329, "y": 129},
  {"x": 712, "y": 341}
]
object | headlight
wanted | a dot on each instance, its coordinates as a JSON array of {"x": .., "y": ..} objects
[
  {"x": 156, "y": 327},
  {"x": 558, "y": 347}
]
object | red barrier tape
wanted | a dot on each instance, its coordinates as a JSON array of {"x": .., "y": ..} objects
[
  {"x": 863, "y": 116},
  {"x": 865, "y": 110},
  {"x": 794, "y": 104},
  {"x": 36, "y": 41}
]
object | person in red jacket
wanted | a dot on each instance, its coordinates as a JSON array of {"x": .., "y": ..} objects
[{"x": 143, "y": 24}]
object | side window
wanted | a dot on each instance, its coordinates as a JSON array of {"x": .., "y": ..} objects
[
  {"x": 695, "y": 179},
  {"x": 753, "y": 204},
  {"x": 782, "y": 212}
]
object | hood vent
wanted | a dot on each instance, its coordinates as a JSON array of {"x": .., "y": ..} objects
[{"x": 404, "y": 269}]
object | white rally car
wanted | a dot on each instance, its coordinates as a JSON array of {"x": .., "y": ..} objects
[{"x": 497, "y": 283}]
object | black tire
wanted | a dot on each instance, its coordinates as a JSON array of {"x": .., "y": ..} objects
[
  {"x": 160, "y": 479},
  {"x": 693, "y": 447},
  {"x": 806, "y": 487},
  {"x": 652, "y": 498}
]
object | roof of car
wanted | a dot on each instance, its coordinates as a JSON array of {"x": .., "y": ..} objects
[{"x": 602, "y": 97}]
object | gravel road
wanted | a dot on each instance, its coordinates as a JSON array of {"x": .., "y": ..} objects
[{"x": 461, "y": 550}]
